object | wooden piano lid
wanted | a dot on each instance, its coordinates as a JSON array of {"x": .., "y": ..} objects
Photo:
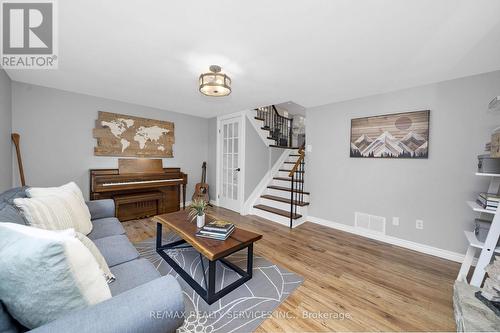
[{"x": 139, "y": 165}]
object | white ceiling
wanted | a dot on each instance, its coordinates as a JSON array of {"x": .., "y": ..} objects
[{"x": 151, "y": 52}]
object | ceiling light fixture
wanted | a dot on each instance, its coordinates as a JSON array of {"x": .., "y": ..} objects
[{"x": 215, "y": 83}]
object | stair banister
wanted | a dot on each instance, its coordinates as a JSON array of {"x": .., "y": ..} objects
[{"x": 297, "y": 183}]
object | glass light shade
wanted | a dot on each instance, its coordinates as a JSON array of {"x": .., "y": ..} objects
[{"x": 215, "y": 84}]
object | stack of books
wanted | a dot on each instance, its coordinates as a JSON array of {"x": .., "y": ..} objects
[
  {"x": 489, "y": 201},
  {"x": 219, "y": 230}
]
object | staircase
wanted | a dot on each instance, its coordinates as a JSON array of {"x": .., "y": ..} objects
[
  {"x": 284, "y": 199},
  {"x": 275, "y": 129}
]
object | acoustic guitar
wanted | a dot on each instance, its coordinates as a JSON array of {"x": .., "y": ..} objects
[{"x": 201, "y": 189}]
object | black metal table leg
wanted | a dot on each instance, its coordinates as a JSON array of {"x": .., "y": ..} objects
[
  {"x": 209, "y": 294},
  {"x": 159, "y": 232},
  {"x": 250, "y": 260},
  {"x": 211, "y": 282}
]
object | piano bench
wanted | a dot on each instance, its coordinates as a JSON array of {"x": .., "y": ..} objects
[{"x": 138, "y": 205}]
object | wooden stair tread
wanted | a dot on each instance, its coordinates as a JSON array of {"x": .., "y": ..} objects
[
  {"x": 281, "y": 188},
  {"x": 285, "y": 200},
  {"x": 287, "y": 179},
  {"x": 285, "y": 147},
  {"x": 278, "y": 211}
]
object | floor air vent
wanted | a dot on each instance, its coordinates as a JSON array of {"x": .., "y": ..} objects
[{"x": 370, "y": 222}]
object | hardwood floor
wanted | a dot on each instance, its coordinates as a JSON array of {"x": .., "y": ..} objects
[{"x": 351, "y": 283}]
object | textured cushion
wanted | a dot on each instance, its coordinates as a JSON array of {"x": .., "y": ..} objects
[
  {"x": 97, "y": 255},
  {"x": 102, "y": 208},
  {"x": 132, "y": 274},
  {"x": 46, "y": 274},
  {"x": 55, "y": 212},
  {"x": 17, "y": 192},
  {"x": 106, "y": 227},
  {"x": 9, "y": 213},
  {"x": 71, "y": 187},
  {"x": 116, "y": 249},
  {"x": 7, "y": 324}
]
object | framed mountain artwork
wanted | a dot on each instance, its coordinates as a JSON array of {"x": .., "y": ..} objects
[{"x": 399, "y": 135}]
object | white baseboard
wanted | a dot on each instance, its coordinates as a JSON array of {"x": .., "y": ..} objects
[{"x": 427, "y": 249}]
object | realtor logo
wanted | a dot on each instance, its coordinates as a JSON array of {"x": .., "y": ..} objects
[{"x": 28, "y": 35}]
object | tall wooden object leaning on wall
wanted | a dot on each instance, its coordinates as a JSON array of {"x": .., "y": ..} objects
[{"x": 16, "y": 138}]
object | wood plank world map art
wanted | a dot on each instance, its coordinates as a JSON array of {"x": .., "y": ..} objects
[{"x": 123, "y": 135}]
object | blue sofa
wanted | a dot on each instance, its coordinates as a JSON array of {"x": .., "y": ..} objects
[{"x": 143, "y": 300}]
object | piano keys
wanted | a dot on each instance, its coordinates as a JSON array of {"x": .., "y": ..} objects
[{"x": 140, "y": 188}]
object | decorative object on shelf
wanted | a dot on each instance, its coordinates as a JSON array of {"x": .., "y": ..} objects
[
  {"x": 495, "y": 144},
  {"x": 494, "y": 104},
  {"x": 215, "y": 83},
  {"x": 488, "y": 201},
  {"x": 481, "y": 229},
  {"x": 123, "y": 135},
  {"x": 197, "y": 210},
  {"x": 487, "y": 164},
  {"x": 399, "y": 135}
]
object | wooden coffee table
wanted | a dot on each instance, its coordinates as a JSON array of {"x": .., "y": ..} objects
[{"x": 213, "y": 250}]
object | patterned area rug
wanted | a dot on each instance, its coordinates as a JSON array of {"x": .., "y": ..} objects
[{"x": 243, "y": 309}]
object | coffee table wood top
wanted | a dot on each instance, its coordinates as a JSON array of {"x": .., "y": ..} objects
[{"x": 210, "y": 248}]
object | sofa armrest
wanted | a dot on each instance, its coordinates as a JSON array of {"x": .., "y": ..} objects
[
  {"x": 100, "y": 209},
  {"x": 154, "y": 307}
]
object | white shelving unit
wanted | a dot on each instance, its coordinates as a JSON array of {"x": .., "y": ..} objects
[{"x": 488, "y": 248}]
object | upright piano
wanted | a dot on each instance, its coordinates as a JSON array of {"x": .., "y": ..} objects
[{"x": 140, "y": 188}]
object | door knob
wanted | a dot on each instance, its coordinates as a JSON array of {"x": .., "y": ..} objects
[{"x": 237, "y": 169}]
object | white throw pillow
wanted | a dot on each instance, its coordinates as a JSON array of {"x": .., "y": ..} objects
[
  {"x": 103, "y": 265},
  {"x": 46, "y": 274},
  {"x": 35, "y": 192},
  {"x": 55, "y": 212}
]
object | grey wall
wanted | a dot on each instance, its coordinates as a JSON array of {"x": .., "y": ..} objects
[
  {"x": 57, "y": 143},
  {"x": 433, "y": 189},
  {"x": 5, "y": 131}
]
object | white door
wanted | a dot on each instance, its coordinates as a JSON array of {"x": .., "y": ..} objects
[{"x": 230, "y": 179}]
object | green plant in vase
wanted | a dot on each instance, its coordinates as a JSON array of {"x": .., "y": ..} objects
[{"x": 197, "y": 210}]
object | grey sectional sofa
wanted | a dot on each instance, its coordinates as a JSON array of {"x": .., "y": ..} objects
[{"x": 143, "y": 301}]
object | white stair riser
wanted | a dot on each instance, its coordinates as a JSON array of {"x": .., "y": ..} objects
[
  {"x": 270, "y": 142},
  {"x": 272, "y": 217},
  {"x": 283, "y": 183},
  {"x": 284, "y": 194},
  {"x": 279, "y": 205},
  {"x": 278, "y": 218},
  {"x": 286, "y": 174},
  {"x": 292, "y": 159}
]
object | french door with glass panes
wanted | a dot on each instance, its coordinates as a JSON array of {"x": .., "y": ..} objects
[{"x": 230, "y": 179}]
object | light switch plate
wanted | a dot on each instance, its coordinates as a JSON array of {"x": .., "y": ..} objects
[{"x": 395, "y": 221}]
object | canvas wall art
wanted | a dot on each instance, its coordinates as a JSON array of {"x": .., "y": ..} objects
[{"x": 399, "y": 135}]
